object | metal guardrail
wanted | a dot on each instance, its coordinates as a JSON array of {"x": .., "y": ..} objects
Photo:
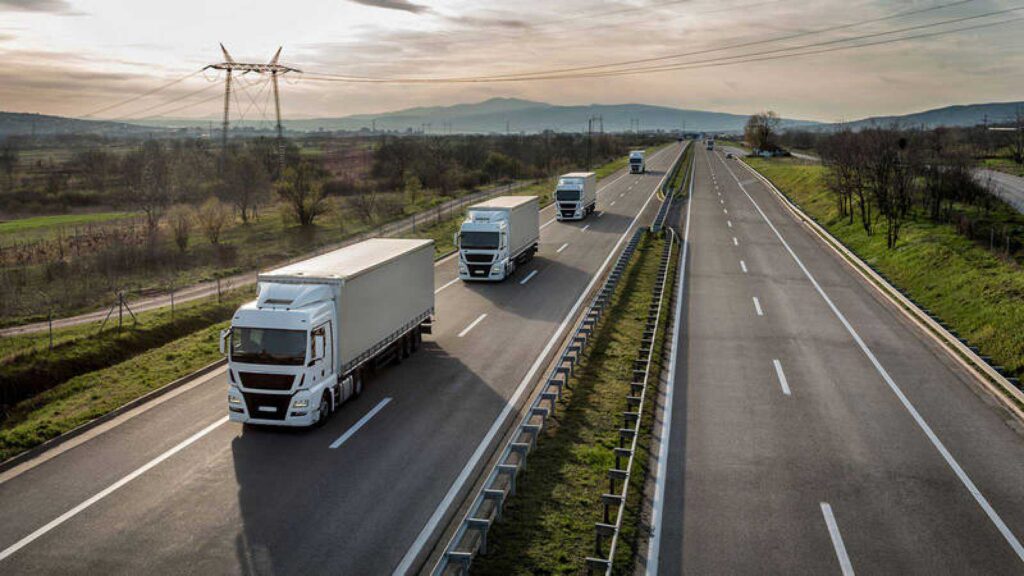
[
  {"x": 659, "y": 218},
  {"x": 470, "y": 538},
  {"x": 629, "y": 435}
]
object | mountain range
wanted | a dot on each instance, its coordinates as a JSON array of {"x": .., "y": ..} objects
[{"x": 514, "y": 115}]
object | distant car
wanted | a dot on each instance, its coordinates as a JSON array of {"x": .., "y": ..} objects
[{"x": 729, "y": 155}]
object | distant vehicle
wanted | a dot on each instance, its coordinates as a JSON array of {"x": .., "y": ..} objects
[
  {"x": 729, "y": 155},
  {"x": 317, "y": 327},
  {"x": 575, "y": 195},
  {"x": 637, "y": 164},
  {"x": 710, "y": 144},
  {"x": 497, "y": 236}
]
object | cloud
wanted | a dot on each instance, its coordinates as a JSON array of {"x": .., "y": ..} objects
[
  {"x": 50, "y": 6},
  {"x": 402, "y": 5}
]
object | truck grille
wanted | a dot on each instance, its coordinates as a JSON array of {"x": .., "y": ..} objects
[
  {"x": 267, "y": 406},
  {"x": 267, "y": 381},
  {"x": 479, "y": 258},
  {"x": 479, "y": 271},
  {"x": 568, "y": 210}
]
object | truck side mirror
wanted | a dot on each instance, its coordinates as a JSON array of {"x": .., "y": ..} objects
[
  {"x": 224, "y": 335},
  {"x": 318, "y": 347}
]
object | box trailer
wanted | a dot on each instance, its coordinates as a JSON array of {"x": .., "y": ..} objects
[
  {"x": 575, "y": 195},
  {"x": 497, "y": 236},
  {"x": 318, "y": 327},
  {"x": 637, "y": 163}
]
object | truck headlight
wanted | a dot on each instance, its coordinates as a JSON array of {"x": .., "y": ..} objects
[
  {"x": 496, "y": 267},
  {"x": 301, "y": 403},
  {"x": 232, "y": 399}
]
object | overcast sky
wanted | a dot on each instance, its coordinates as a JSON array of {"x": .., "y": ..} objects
[{"x": 71, "y": 58}]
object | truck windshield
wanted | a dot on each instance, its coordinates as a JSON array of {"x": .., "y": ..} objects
[
  {"x": 567, "y": 195},
  {"x": 479, "y": 240},
  {"x": 268, "y": 346}
]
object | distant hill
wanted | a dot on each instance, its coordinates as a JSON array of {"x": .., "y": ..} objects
[
  {"x": 952, "y": 116},
  {"x": 497, "y": 114},
  {"x": 19, "y": 124}
]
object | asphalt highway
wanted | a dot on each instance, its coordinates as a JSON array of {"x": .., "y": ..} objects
[
  {"x": 172, "y": 488},
  {"x": 813, "y": 428}
]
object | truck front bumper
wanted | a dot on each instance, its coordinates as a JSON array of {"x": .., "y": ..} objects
[
  {"x": 273, "y": 409},
  {"x": 494, "y": 272}
]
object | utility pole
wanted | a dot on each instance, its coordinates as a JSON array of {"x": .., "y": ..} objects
[{"x": 275, "y": 70}]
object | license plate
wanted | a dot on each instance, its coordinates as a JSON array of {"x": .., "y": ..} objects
[
  {"x": 267, "y": 409},
  {"x": 478, "y": 272}
]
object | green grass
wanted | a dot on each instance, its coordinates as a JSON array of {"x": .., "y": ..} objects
[
  {"x": 1004, "y": 165},
  {"x": 976, "y": 292},
  {"x": 41, "y": 227},
  {"x": 548, "y": 526},
  {"x": 681, "y": 175},
  {"x": 91, "y": 395}
]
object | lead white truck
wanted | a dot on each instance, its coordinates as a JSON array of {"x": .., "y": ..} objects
[
  {"x": 637, "y": 162},
  {"x": 318, "y": 327},
  {"x": 497, "y": 236},
  {"x": 575, "y": 195}
]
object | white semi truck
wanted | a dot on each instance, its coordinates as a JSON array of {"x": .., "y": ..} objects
[
  {"x": 710, "y": 144},
  {"x": 575, "y": 195},
  {"x": 318, "y": 327},
  {"x": 637, "y": 163},
  {"x": 497, "y": 236}
]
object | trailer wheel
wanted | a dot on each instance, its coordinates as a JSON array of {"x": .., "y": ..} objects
[
  {"x": 324, "y": 410},
  {"x": 417, "y": 339},
  {"x": 357, "y": 383},
  {"x": 406, "y": 345}
]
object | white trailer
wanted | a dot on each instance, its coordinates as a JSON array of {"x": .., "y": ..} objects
[
  {"x": 637, "y": 163},
  {"x": 318, "y": 327},
  {"x": 575, "y": 195},
  {"x": 497, "y": 236}
]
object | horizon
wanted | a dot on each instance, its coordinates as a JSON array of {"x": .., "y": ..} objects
[{"x": 57, "y": 66}]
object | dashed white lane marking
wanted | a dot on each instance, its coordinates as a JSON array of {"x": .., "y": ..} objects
[
  {"x": 837, "y": 539},
  {"x": 528, "y": 276},
  {"x": 729, "y": 222},
  {"x": 613, "y": 203},
  {"x": 757, "y": 306},
  {"x": 362, "y": 422},
  {"x": 584, "y": 229},
  {"x": 743, "y": 266},
  {"x": 782, "y": 377},
  {"x": 735, "y": 242},
  {"x": 562, "y": 247},
  {"x": 472, "y": 325}
]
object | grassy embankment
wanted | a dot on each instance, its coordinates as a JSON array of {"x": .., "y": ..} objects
[
  {"x": 978, "y": 293},
  {"x": 1006, "y": 165},
  {"x": 87, "y": 375},
  {"x": 548, "y": 526},
  {"x": 44, "y": 227}
]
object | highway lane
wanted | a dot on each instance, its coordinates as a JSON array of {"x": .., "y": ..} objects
[
  {"x": 237, "y": 500},
  {"x": 797, "y": 449}
]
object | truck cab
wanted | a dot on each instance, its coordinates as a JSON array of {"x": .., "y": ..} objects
[
  {"x": 483, "y": 246},
  {"x": 575, "y": 195},
  {"x": 282, "y": 352},
  {"x": 637, "y": 162}
]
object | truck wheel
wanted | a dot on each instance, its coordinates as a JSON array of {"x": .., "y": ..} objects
[
  {"x": 357, "y": 383},
  {"x": 406, "y": 345},
  {"x": 417, "y": 338},
  {"x": 324, "y": 410}
]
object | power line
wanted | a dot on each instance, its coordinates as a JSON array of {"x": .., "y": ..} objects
[
  {"x": 713, "y": 62},
  {"x": 142, "y": 95},
  {"x": 557, "y": 73}
]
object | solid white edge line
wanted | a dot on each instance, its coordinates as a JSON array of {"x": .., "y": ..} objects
[
  {"x": 453, "y": 491},
  {"x": 782, "y": 377},
  {"x": 472, "y": 324},
  {"x": 545, "y": 225},
  {"x": 658, "y": 501},
  {"x": 562, "y": 247},
  {"x": 837, "y": 539},
  {"x": 993, "y": 516},
  {"x": 109, "y": 490},
  {"x": 757, "y": 306},
  {"x": 362, "y": 421},
  {"x": 528, "y": 277}
]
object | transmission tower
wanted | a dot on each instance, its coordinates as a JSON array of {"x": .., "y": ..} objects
[{"x": 272, "y": 68}]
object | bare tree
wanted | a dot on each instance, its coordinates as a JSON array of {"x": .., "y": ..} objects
[
  {"x": 213, "y": 217},
  {"x": 181, "y": 218},
  {"x": 147, "y": 178},
  {"x": 246, "y": 183},
  {"x": 761, "y": 130},
  {"x": 302, "y": 190}
]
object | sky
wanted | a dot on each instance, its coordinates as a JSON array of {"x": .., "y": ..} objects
[{"x": 77, "y": 58}]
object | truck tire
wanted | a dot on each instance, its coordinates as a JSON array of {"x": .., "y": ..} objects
[
  {"x": 417, "y": 339},
  {"x": 324, "y": 412},
  {"x": 357, "y": 382}
]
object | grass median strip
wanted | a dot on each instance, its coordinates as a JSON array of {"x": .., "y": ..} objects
[
  {"x": 976, "y": 292},
  {"x": 548, "y": 526}
]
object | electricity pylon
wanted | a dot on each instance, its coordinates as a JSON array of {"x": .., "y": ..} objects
[{"x": 275, "y": 70}]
